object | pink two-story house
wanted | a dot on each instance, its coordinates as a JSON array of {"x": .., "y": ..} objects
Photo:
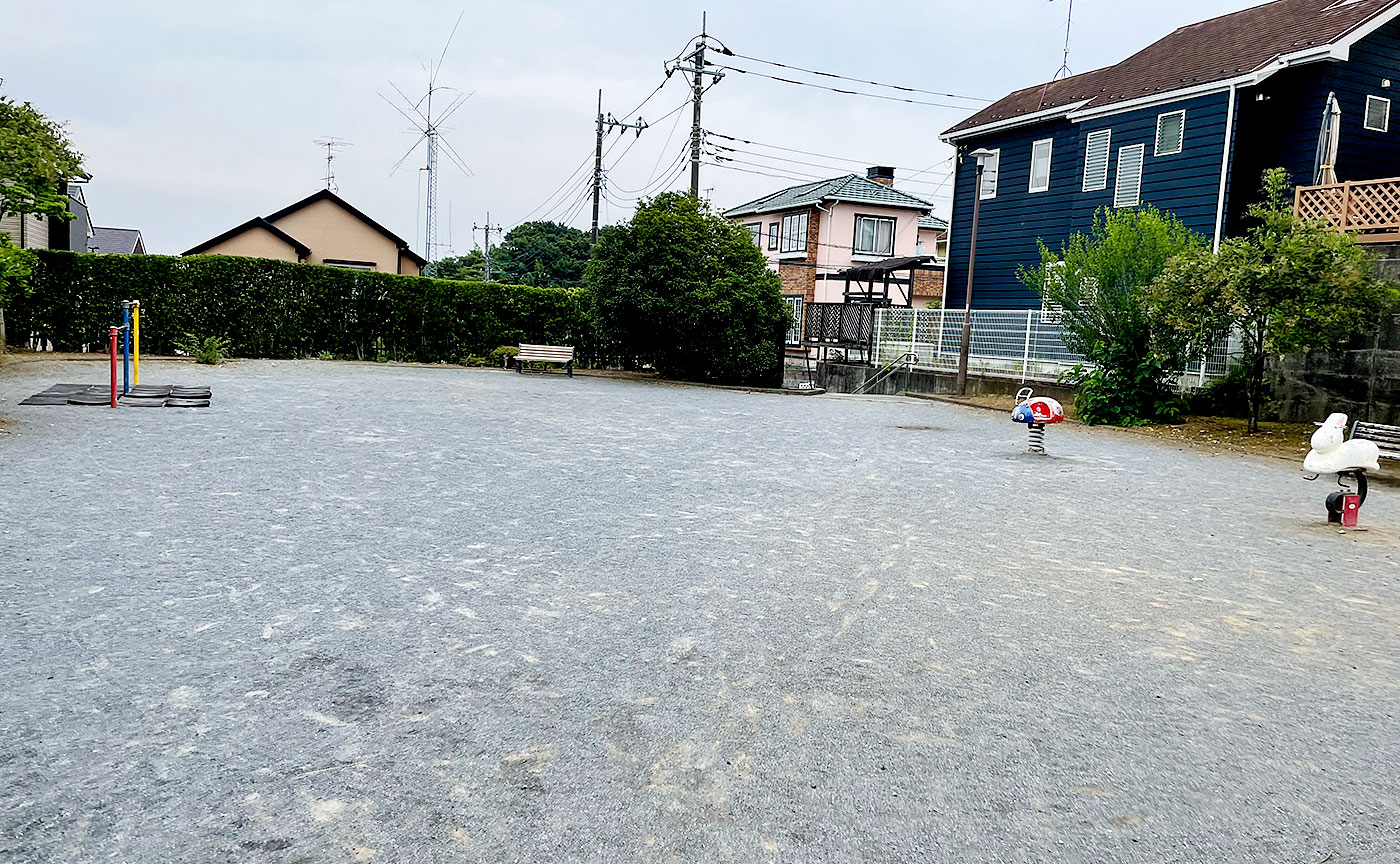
[{"x": 814, "y": 233}]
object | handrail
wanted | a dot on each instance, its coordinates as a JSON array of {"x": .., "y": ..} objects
[{"x": 907, "y": 359}]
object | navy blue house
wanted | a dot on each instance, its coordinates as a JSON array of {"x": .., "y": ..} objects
[{"x": 1188, "y": 125}]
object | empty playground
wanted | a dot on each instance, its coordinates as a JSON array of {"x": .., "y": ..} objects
[{"x": 353, "y": 612}]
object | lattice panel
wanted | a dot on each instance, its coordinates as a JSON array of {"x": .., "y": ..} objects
[
  {"x": 1321, "y": 203},
  {"x": 1373, "y": 206}
]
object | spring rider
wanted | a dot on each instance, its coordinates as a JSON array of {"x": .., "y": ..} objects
[
  {"x": 1035, "y": 412},
  {"x": 1350, "y": 460}
]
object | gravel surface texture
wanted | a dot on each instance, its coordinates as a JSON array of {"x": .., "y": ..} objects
[{"x": 402, "y": 614}]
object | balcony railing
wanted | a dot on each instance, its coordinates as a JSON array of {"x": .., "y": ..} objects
[{"x": 1369, "y": 207}]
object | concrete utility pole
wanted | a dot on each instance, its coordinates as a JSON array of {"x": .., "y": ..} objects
[
  {"x": 698, "y": 71},
  {"x": 610, "y": 122},
  {"x": 487, "y": 228}
]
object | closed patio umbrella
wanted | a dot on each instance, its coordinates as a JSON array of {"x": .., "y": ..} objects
[{"x": 1327, "y": 143}]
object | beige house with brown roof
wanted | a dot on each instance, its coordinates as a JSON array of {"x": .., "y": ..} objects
[{"x": 319, "y": 229}]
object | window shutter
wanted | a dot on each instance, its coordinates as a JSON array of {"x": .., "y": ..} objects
[
  {"x": 1171, "y": 132},
  {"x": 1096, "y": 152},
  {"x": 1377, "y": 114},
  {"x": 1128, "y": 190}
]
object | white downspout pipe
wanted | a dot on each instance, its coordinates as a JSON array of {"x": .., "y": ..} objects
[{"x": 1225, "y": 166}]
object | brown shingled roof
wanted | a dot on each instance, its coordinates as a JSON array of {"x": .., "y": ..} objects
[{"x": 1214, "y": 50}]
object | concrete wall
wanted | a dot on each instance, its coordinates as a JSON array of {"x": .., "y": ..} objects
[
  {"x": 1361, "y": 380},
  {"x": 846, "y": 377}
]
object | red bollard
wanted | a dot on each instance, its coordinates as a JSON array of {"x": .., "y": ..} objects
[
  {"x": 112, "y": 343},
  {"x": 1351, "y": 509}
]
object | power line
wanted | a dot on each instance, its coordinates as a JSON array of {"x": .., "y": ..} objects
[
  {"x": 818, "y": 155},
  {"x": 843, "y": 91},
  {"x": 787, "y": 175},
  {"x": 856, "y": 80},
  {"x": 792, "y": 161}
]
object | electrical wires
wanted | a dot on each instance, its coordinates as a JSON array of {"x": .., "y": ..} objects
[{"x": 899, "y": 87}]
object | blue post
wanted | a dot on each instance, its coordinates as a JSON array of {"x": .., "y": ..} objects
[{"x": 126, "y": 348}]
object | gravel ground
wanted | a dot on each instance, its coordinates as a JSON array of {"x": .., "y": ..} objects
[{"x": 366, "y": 613}]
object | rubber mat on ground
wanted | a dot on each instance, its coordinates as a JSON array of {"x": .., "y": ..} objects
[{"x": 140, "y": 396}]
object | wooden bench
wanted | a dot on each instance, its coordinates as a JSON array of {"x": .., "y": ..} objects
[
  {"x": 546, "y": 354},
  {"x": 1387, "y": 437}
]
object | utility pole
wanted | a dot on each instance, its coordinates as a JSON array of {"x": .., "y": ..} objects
[
  {"x": 487, "y": 228},
  {"x": 698, "y": 71},
  {"x": 609, "y": 123}
]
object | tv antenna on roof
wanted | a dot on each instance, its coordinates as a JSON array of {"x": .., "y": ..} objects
[
  {"x": 332, "y": 144},
  {"x": 429, "y": 128},
  {"x": 1064, "y": 71}
]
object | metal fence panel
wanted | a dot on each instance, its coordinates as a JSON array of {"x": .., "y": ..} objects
[{"x": 1026, "y": 345}]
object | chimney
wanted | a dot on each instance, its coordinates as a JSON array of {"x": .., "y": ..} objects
[{"x": 881, "y": 174}]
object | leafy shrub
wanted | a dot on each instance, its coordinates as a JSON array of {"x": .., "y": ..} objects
[
  {"x": 210, "y": 351},
  {"x": 1101, "y": 282},
  {"x": 1124, "y": 391},
  {"x": 278, "y": 309},
  {"x": 501, "y": 356},
  {"x": 325, "y": 355},
  {"x": 1229, "y": 397},
  {"x": 686, "y": 291}
]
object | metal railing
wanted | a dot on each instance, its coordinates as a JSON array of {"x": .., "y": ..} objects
[
  {"x": 1021, "y": 345},
  {"x": 907, "y": 360}
]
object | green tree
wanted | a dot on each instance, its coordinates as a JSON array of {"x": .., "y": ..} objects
[
  {"x": 542, "y": 253},
  {"x": 1287, "y": 285},
  {"x": 470, "y": 267},
  {"x": 35, "y": 157},
  {"x": 687, "y": 291},
  {"x": 1101, "y": 281}
]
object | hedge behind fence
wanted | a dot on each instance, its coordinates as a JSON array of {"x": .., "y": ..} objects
[{"x": 276, "y": 309}]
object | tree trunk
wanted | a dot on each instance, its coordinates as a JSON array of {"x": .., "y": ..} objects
[{"x": 1255, "y": 390}]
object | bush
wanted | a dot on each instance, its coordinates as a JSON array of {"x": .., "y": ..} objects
[
  {"x": 1101, "y": 282},
  {"x": 209, "y": 351},
  {"x": 277, "y": 309},
  {"x": 688, "y": 292},
  {"x": 1229, "y": 397}
]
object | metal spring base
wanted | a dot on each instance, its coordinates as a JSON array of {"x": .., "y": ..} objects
[{"x": 1037, "y": 438}]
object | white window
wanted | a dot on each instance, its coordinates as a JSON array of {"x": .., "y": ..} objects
[
  {"x": 1127, "y": 191},
  {"x": 1050, "y": 311},
  {"x": 1096, "y": 151},
  {"x": 1040, "y": 164},
  {"x": 1171, "y": 133},
  {"x": 794, "y": 233},
  {"x": 772, "y": 236},
  {"x": 1377, "y": 114},
  {"x": 756, "y": 229},
  {"x": 991, "y": 168},
  {"x": 874, "y": 236}
]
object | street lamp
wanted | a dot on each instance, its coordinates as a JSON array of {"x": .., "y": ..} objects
[{"x": 981, "y": 154}]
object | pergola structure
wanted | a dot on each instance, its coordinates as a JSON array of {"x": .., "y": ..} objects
[{"x": 872, "y": 281}]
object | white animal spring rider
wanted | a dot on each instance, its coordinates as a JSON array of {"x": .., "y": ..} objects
[
  {"x": 1350, "y": 460},
  {"x": 1035, "y": 412}
]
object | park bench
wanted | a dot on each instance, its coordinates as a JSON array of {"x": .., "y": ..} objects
[
  {"x": 1387, "y": 437},
  {"x": 546, "y": 354}
]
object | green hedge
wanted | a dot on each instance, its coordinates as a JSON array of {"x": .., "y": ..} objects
[{"x": 277, "y": 309}]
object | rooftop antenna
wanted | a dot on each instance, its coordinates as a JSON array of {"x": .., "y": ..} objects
[
  {"x": 1064, "y": 71},
  {"x": 331, "y": 144},
  {"x": 420, "y": 114}
]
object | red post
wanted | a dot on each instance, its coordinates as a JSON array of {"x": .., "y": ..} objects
[{"x": 112, "y": 350}]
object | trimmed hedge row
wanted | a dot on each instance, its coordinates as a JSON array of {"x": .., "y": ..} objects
[{"x": 277, "y": 309}]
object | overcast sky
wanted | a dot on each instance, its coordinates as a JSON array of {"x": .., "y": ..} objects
[{"x": 195, "y": 116}]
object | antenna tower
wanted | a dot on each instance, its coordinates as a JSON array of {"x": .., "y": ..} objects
[
  {"x": 428, "y": 127},
  {"x": 1063, "y": 71},
  {"x": 331, "y": 144}
]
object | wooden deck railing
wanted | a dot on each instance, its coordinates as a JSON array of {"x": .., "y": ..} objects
[{"x": 1369, "y": 207}]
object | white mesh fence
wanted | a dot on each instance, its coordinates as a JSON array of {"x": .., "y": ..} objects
[{"x": 1024, "y": 345}]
